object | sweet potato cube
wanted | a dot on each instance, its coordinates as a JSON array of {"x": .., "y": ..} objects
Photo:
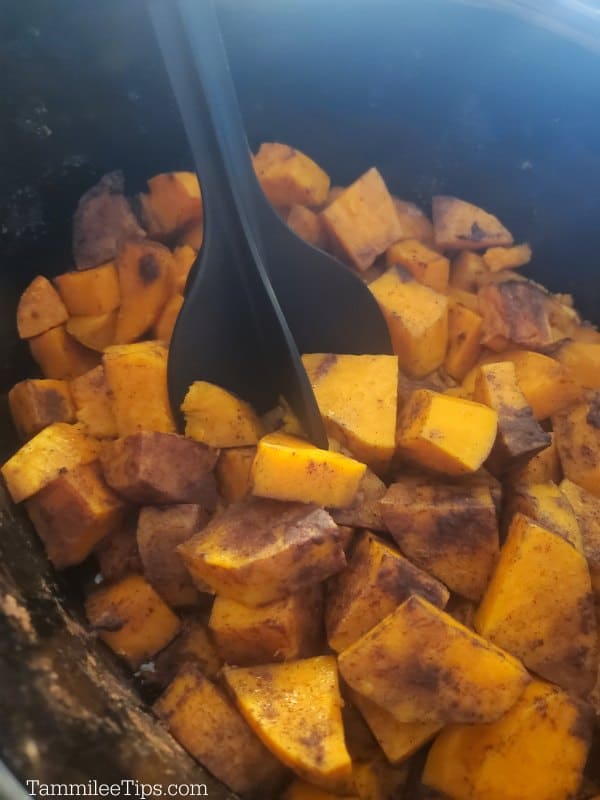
[
  {"x": 233, "y": 472},
  {"x": 90, "y": 292},
  {"x": 159, "y": 531},
  {"x": 539, "y": 606},
  {"x": 95, "y": 331},
  {"x": 218, "y": 418},
  {"x": 464, "y": 337},
  {"x": 417, "y": 319},
  {"x": 446, "y": 434},
  {"x": 118, "y": 554},
  {"x": 587, "y": 510},
  {"x": 159, "y": 468},
  {"x": 289, "y": 177},
  {"x": 43, "y": 458},
  {"x": 165, "y": 324},
  {"x": 301, "y": 790},
  {"x": 498, "y": 258},
  {"x": 259, "y": 551},
  {"x": 35, "y": 404},
  {"x": 430, "y": 668},
  {"x": 459, "y": 225},
  {"x": 146, "y": 273},
  {"x": 93, "y": 404},
  {"x": 284, "y": 630},
  {"x": 60, "y": 356},
  {"x": 362, "y": 221},
  {"x": 130, "y": 617},
  {"x": 469, "y": 272},
  {"x": 40, "y": 308},
  {"x": 378, "y": 578},
  {"x": 308, "y": 225},
  {"x": 519, "y": 435},
  {"x": 137, "y": 380},
  {"x": 364, "y": 511},
  {"x": 295, "y": 709},
  {"x": 288, "y": 468},
  {"x": 357, "y": 397},
  {"x": 376, "y": 779},
  {"x": 426, "y": 265},
  {"x": 183, "y": 261},
  {"x": 193, "y": 646},
  {"x": 460, "y": 297},
  {"x": 514, "y": 312},
  {"x": 414, "y": 223},
  {"x": 537, "y": 750},
  {"x": 545, "y": 504},
  {"x": 73, "y": 513},
  {"x": 172, "y": 203},
  {"x": 541, "y": 468},
  {"x": 583, "y": 361},
  {"x": 577, "y": 434},
  {"x": 449, "y": 530}
]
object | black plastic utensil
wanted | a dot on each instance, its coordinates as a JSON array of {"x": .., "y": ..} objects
[{"x": 231, "y": 330}]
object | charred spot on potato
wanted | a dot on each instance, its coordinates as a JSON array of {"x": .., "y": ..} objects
[{"x": 148, "y": 268}]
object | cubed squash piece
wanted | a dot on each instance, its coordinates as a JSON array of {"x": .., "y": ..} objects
[
  {"x": 583, "y": 361},
  {"x": 173, "y": 202},
  {"x": 43, "y": 458},
  {"x": 160, "y": 529},
  {"x": 193, "y": 646},
  {"x": 548, "y": 506},
  {"x": 204, "y": 722},
  {"x": 90, "y": 292},
  {"x": 95, "y": 331},
  {"x": 537, "y": 751},
  {"x": 60, "y": 356},
  {"x": 459, "y": 225},
  {"x": 376, "y": 779},
  {"x": 414, "y": 223},
  {"x": 159, "y": 468},
  {"x": 118, "y": 554},
  {"x": 587, "y": 510},
  {"x": 417, "y": 319},
  {"x": 460, "y": 297},
  {"x": 308, "y": 225},
  {"x": 259, "y": 551},
  {"x": 301, "y": 790},
  {"x": 514, "y": 313},
  {"x": 539, "y": 606},
  {"x": 289, "y": 177},
  {"x": 446, "y": 434},
  {"x": 357, "y": 397},
  {"x": 543, "y": 467},
  {"x": 219, "y": 418},
  {"x": 233, "y": 471},
  {"x": 464, "y": 336},
  {"x": 469, "y": 272},
  {"x": 362, "y": 221},
  {"x": 295, "y": 709},
  {"x": 183, "y": 260},
  {"x": 519, "y": 435},
  {"x": 288, "y": 468},
  {"x": 137, "y": 380},
  {"x": 132, "y": 619},
  {"x": 73, "y": 513},
  {"x": 449, "y": 530},
  {"x": 284, "y": 630},
  {"x": 378, "y": 578},
  {"x": 577, "y": 434},
  {"x": 93, "y": 404},
  {"x": 364, "y": 511},
  {"x": 425, "y": 264},
  {"x": 430, "y": 668},
  {"x": 35, "y": 404},
  {"x": 40, "y": 309},
  {"x": 165, "y": 324},
  {"x": 146, "y": 273},
  {"x": 497, "y": 258}
]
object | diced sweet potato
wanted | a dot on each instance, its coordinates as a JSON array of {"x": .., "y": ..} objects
[
  {"x": 459, "y": 225},
  {"x": 91, "y": 292},
  {"x": 362, "y": 221},
  {"x": 289, "y": 177},
  {"x": 43, "y": 458},
  {"x": 307, "y": 225},
  {"x": 539, "y": 606},
  {"x": 159, "y": 468},
  {"x": 40, "y": 309},
  {"x": 444, "y": 433},
  {"x": 464, "y": 337},
  {"x": 538, "y": 749},
  {"x": 93, "y": 404},
  {"x": 543, "y": 467},
  {"x": 73, "y": 513},
  {"x": 577, "y": 434},
  {"x": 469, "y": 272},
  {"x": 414, "y": 223},
  {"x": 426, "y": 265},
  {"x": 429, "y": 668},
  {"x": 193, "y": 646},
  {"x": 259, "y": 551},
  {"x": 587, "y": 510},
  {"x": 95, "y": 331},
  {"x": 159, "y": 531},
  {"x": 288, "y": 468},
  {"x": 233, "y": 472},
  {"x": 357, "y": 398},
  {"x": 146, "y": 273},
  {"x": 378, "y": 578},
  {"x": 218, "y": 418},
  {"x": 514, "y": 312},
  {"x": 295, "y": 708},
  {"x": 165, "y": 324},
  {"x": 137, "y": 380},
  {"x": 172, "y": 203},
  {"x": 417, "y": 319},
  {"x": 118, "y": 554},
  {"x": 284, "y": 630},
  {"x": 583, "y": 360},
  {"x": 364, "y": 511},
  {"x": 203, "y": 721},
  {"x": 102, "y": 221},
  {"x": 376, "y": 779},
  {"x": 183, "y": 261},
  {"x": 61, "y": 357},
  {"x": 497, "y": 258},
  {"x": 449, "y": 530},
  {"x": 548, "y": 506},
  {"x": 35, "y": 404},
  {"x": 301, "y": 790},
  {"x": 130, "y": 617},
  {"x": 461, "y": 297},
  {"x": 191, "y": 236}
]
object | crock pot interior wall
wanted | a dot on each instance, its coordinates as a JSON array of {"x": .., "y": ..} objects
[{"x": 442, "y": 97}]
